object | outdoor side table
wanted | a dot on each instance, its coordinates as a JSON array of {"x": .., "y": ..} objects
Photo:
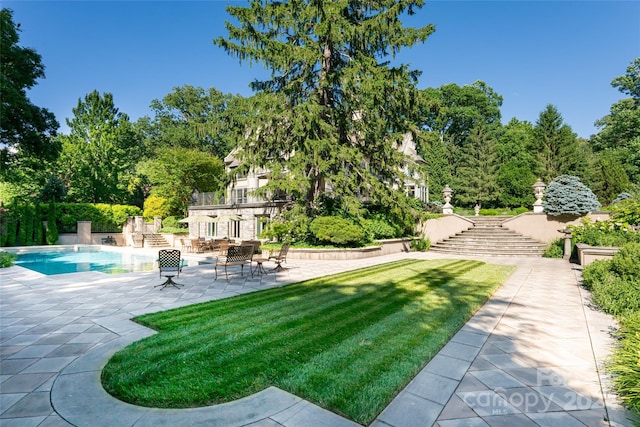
[{"x": 259, "y": 267}]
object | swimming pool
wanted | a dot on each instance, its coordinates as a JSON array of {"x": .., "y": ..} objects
[{"x": 76, "y": 259}]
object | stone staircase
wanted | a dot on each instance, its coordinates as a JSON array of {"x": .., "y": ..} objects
[
  {"x": 154, "y": 241},
  {"x": 488, "y": 237}
]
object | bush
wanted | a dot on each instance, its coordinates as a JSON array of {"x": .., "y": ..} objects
[
  {"x": 627, "y": 211},
  {"x": 615, "y": 283},
  {"x": 603, "y": 233},
  {"x": 156, "y": 206},
  {"x": 555, "y": 249},
  {"x": 624, "y": 363},
  {"x": 7, "y": 259},
  {"x": 336, "y": 230},
  {"x": 379, "y": 229},
  {"x": 420, "y": 245},
  {"x": 615, "y": 286},
  {"x": 566, "y": 195},
  {"x": 621, "y": 197},
  {"x": 172, "y": 222}
]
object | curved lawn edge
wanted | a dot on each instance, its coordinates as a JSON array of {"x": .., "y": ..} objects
[
  {"x": 77, "y": 396},
  {"x": 458, "y": 277}
]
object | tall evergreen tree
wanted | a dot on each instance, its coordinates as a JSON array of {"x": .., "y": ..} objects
[
  {"x": 328, "y": 115},
  {"x": 515, "y": 174},
  {"x": 476, "y": 175},
  {"x": 556, "y": 146}
]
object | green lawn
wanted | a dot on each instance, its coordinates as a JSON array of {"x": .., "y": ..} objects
[{"x": 347, "y": 342}]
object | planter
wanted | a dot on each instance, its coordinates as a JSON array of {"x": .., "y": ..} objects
[
  {"x": 587, "y": 254},
  {"x": 386, "y": 247}
]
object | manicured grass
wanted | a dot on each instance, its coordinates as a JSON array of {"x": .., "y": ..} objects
[{"x": 347, "y": 342}]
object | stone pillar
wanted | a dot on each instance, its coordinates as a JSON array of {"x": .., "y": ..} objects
[
  {"x": 157, "y": 223},
  {"x": 447, "y": 193},
  {"x": 538, "y": 191}
]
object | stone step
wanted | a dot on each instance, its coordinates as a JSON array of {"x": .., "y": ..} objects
[
  {"x": 479, "y": 252},
  {"x": 487, "y": 237},
  {"x": 154, "y": 241}
]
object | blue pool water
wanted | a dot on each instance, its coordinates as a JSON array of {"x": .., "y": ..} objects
[{"x": 74, "y": 260}]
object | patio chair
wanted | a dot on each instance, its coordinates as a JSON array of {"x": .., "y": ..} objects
[
  {"x": 186, "y": 245},
  {"x": 170, "y": 265},
  {"x": 280, "y": 256},
  {"x": 197, "y": 246}
]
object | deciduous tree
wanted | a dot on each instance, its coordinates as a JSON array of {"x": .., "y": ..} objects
[
  {"x": 100, "y": 153},
  {"x": 175, "y": 172},
  {"x": 26, "y": 130}
]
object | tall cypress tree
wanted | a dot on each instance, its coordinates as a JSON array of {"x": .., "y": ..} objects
[{"x": 334, "y": 105}]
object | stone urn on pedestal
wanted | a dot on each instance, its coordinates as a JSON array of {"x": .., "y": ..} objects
[
  {"x": 538, "y": 191},
  {"x": 447, "y": 193}
]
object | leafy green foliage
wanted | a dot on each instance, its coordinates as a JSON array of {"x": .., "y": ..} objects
[
  {"x": 99, "y": 155},
  {"x": 156, "y": 206},
  {"x": 334, "y": 105},
  {"x": 7, "y": 259},
  {"x": 603, "y": 233},
  {"x": 26, "y": 129},
  {"x": 515, "y": 174},
  {"x": 555, "y": 249},
  {"x": 192, "y": 118},
  {"x": 51, "y": 233},
  {"x": 420, "y": 245},
  {"x": 379, "y": 229},
  {"x": 338, "y": 231},
  {"x": 620, "y": 133},
  {"x": 566, "y": 195},
  {"x": 615, "y": 286},
  {"x": 615, "y": 283},
  {"x": 329, "y": 340},
  {"x": 624, "y": 365},
  {"x": 176, "y": 172},
  {"x": 627, "y": 211},
  {"x": 556, "y": 146}
]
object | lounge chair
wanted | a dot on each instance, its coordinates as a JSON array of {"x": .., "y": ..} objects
[{"x": 170, "y": 266}]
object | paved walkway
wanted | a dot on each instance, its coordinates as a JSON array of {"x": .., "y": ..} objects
[{"x": 532, "y": 356}]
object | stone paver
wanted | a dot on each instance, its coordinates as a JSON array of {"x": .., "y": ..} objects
[{"x": 531, "y": 356}]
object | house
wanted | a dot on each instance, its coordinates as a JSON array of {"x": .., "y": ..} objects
[{"x": 239, "y": 198}]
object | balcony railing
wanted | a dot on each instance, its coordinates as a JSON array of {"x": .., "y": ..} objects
[{"x": 208, "y": 199}]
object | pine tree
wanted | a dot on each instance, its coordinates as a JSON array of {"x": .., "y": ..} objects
[
  {"x": 476, "y": 175},
  {"x": 333, "y": 106},
  {"x": 566, "y": 195},
  {"x": 556, "y": 145}
]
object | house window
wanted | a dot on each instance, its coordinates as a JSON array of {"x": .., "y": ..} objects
[
  {"x": 234, "y": 229},
  {"x": 240, "y": 195},
  {"x": 212, "y": 229}
]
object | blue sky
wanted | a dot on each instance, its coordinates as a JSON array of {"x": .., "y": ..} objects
[{"x": 533, "y": 53}]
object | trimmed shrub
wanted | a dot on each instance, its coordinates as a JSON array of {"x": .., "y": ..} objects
[
  {"x": 621, "y": 197},
  {"x": 51, "y": 233},
  {"x": 156, "y": 206},
  {"x": 566, "y": 195},
  {"x": 338, "y": 231}
]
